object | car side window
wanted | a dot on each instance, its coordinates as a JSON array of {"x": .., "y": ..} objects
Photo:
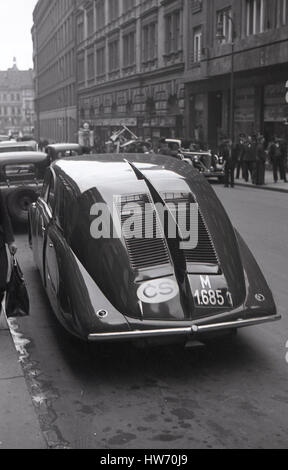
[
  {"x": 48, "y": 191},
  {"x": 51, "y": 195},
  {"x": 46, "y": 184}
]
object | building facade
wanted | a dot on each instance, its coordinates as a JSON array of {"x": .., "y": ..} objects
[
  {"x": 161, "y": 67},
  {"x": 130, "y": 66},
  {"x": 258, "y": 29},
  {"x": 53, "y": 37},
  {"x": 16, "y": 101}
]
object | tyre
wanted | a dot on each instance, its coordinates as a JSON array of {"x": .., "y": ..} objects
[{"x": 18, "y": 204}]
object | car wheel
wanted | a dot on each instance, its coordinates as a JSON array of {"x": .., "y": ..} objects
[{"x": 18, "y": 204}]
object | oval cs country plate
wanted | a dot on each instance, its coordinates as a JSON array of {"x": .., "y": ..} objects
[{"x": 158, "y": 291}]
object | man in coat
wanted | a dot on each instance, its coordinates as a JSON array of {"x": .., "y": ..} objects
[
  {"x": 261, "y": 157},
  {"x": 6, "y": 238},
  {"x": 229, "y": 154},
  {"x": 277, "y": 155},
  {"x": 249, "y": 159}
]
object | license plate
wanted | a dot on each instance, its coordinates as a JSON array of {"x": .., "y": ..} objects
[
  {"x": 213, "y": 298},
  {"x": 211, "y": 291}
]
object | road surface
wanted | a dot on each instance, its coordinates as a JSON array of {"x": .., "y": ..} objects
[{"x": 233, "y": 394}]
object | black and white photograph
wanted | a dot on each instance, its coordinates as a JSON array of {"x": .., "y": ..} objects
[{"x": 144, "y": 227}]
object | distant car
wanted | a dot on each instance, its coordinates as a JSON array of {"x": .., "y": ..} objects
[
  {"x": 14, "y": 146},
  {"x": 123, "y": 287},
  {"x": 21, "y": 179},
  {"x": 58, "y": 151},
  {"x": 205, "y": 161}
]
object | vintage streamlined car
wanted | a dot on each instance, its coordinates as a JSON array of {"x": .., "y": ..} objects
[{"x": 105, "y": 284}]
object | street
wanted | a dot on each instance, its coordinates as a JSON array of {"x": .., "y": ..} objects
[{"x": 230, "y": 394}]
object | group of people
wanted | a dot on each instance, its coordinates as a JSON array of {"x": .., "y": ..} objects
[{"x": 250, "y": 155}]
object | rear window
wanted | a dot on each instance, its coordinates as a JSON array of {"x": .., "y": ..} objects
[
  {"x": 20, "y": 171},
  {"x": 16, "y": 149}
]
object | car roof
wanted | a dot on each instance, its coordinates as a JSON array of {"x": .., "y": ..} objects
[
  {"x": 14, "y": 143},
  {"x": 22, "y": 157},
  {"x": 113, "y": 170},
  {"x": 64, "y": 146}
]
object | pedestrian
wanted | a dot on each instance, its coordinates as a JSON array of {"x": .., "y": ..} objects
[
  {"x": 283, "y": 160},
  {"x": 229, "y": 154},
  {"x": 240, "y": 155},
  {"x": 249, "y": 159},
  {"x": 6, "y": 238},
  {"x": 261, "y": 156},
  {"x": 277, "y": 155}
]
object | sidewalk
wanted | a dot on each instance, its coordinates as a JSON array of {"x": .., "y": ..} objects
[
  {"x": 19, "y": 426},
  {"x": 280, "y": 187}
]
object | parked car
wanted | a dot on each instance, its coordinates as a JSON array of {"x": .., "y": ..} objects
[
  {"x": 14, "y": 146},
  {"x": 205, "y": 161},
  {"x": 58, "y": 151},
  {"x": 21, "y": 179},
  {"x": 4, "y": 137},
  {"x": 118, "y": 287}
]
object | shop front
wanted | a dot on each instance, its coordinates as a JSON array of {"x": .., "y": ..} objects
[{"x": 275, "y": 111}]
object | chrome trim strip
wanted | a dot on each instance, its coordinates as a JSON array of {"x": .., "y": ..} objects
[{"x": 193, "y": 330}]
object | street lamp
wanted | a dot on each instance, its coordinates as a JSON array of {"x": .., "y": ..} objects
[{"x": 221, "y": 35}]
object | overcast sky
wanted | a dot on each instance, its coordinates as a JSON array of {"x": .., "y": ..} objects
[{"x": 15, "y": 33}]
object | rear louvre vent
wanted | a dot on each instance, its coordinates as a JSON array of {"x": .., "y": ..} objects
[
  {"x": 205, "y": 252},
  {"x": 144, "y": 253}
]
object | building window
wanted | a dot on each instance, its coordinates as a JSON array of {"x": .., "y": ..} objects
[
  {"x": 282, "y": 9},
  {"x": 81, "y": 68},
  {"x": 113, "y": 56},
  {"x": 224, "y": 25},
  {"x": 100, "y": 57},
  {"x": 80, "y": 28},
  {"x": 91, "y": 65},
  {"x": 129, "y": 50},
  {"x": 149, "y": 39},
  {"x": 254, "y": 17},
  {"x": 113, "y": 9},
  {"x": 197, "y": 44},
  {"x": 128, "y": 5},
  {"x": 173, "y": 32},
  {"x": 100, "y": 14},
  {"x": 90, "y": 21}
]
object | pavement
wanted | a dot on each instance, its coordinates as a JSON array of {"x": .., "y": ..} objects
[
  {"x": 19, "y": 426},
  {"x": 270, "y": 185}
]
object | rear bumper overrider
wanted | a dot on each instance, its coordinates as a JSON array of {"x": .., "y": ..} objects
[{"x": 193, "y": 330}]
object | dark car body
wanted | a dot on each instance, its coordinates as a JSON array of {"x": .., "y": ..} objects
[
  {"x": 58, "y": 151},
  {"x": 21, "y": 179},
  {"x": 113, "y": 288}
]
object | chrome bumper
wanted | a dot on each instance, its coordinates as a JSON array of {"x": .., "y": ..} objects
[{"x": 190, "y": 331}]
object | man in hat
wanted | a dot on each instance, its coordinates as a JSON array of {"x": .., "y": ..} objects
[
  {"x": 278, "y": 155},
  {"x": 229, "y": 155},
  {"x": 261, "y": 156}
]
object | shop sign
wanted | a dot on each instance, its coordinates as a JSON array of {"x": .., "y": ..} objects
[
  {"x": 245, "y": 105},
  {"x": 129, "y": 122},
  {"x": 275, "y": 102}
]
